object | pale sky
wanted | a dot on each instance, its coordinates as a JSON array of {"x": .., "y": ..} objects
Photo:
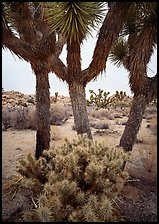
[{"x": 17, "y": 74}]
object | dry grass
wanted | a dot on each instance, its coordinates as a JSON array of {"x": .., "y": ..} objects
[
  {"x": 148, "y": 154},
  {"x": 100, "y": 114},
  {"x": 143, "y": 164},
  {"x": 100, "y": 125},
  {"x": 55, "y": 132},
  {"x": 153, "y": 125},
  {"x": 19, "y": 118}
]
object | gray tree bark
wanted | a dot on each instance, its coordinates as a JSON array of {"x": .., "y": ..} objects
[
  {"x": 134, "y": 121},
  {"x": 78, "y": 101},
  {"x": 42, "y": 111}
]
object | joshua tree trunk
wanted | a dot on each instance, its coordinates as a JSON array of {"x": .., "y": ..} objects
[
  {"x": 78, "y": 101},
  {"x": 134, "y": 121},
  {"x": 43, "y": 111}
]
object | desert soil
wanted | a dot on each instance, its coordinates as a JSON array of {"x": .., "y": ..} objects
[{"x": 138, "y": 199}]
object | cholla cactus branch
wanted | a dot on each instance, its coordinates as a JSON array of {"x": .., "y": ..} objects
[{"x": 78, "y": 181}]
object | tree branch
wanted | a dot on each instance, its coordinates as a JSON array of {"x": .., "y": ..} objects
[
  {"x": 58, "y": 67},
  {"x": 108, "y": 34},
  {"x": 19, "y": 47},
  {"x": 59, "y": 44},
  {"x": 24, "y": 21},
  {"x": 140, "y": 56}
]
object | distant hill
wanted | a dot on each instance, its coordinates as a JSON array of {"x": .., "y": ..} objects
[{"x": 15, "y": 98}]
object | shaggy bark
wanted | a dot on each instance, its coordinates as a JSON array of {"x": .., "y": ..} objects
[
  {"x": 43, "y": 111},
  {"x": 134, "y": 121},
  {"x": 77, "y": 89},
  {"x": 78, "y": 101}
]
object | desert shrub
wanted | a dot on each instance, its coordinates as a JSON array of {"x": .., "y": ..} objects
[
  {"x": 19, "y": 118},
  {"x": 78, "y": 181},
  {"x": 6, "y": 118},
  {"x": 100, "y": 125},
  {"x": 148, "y": 155},
  {"x": 117, "y": 115},
  {"x": 58, "y": 114},
  {"x": 101, "y": 114},
  {"x": 31, "y": 123}
]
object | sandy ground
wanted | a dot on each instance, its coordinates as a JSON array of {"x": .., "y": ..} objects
[{"x": 138, "y": 200}]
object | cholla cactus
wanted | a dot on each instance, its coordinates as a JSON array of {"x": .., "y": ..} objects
[
  {"x": 77, "y": 181},
  {"x": 100, "y": 100}
]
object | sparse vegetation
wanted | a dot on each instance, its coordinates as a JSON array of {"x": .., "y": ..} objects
[
  {"x": 15, "y": 144},
  {"x": 58, "y": 114},
  {"x": 149, "y": 160},
  {"x": 20, "y": 117},
  {"x": 100, "y": 125},
  {"x": 103, "y": 101},
  {"x": 101, "y": 114},
  {"x": 78, "y": 181}
]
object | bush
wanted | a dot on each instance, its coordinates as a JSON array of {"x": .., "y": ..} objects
[
  {"x": 6, "y": 118},
  {"x": 101, "y": 114},
  {"x": 58, "y": 114},
  {"x": 77, "y": 181},
  {"x": 100, "y": 125},
  {"x": 19, "y": 118}
]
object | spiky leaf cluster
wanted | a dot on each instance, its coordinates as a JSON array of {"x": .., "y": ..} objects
[
  {"x": 82, "y": 181},
  {"x": 73, "y": 19}
]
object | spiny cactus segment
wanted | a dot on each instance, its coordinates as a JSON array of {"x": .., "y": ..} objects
[{"x": 78, "y": 181}]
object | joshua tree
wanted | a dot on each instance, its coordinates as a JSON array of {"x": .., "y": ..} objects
[
  {"x": 100, "y": 100},
  {"x": 27, "y": 35},
  {"x": 135, "y": 53},
  {"x": 74, "y": 20}
]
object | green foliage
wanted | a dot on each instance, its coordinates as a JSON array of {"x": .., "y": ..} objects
[
  {"x": 118, "y": 51},
  {"x": 77, "y": 181},
  {"x": 100, "y": 100},
  {"x": 74, "y": 20}
]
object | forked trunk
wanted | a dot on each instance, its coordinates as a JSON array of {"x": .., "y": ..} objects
[
  {"x": 43, "y": 112},
  {"x": 78, "y": 101},
  {"x": 134, "y": 121}
]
